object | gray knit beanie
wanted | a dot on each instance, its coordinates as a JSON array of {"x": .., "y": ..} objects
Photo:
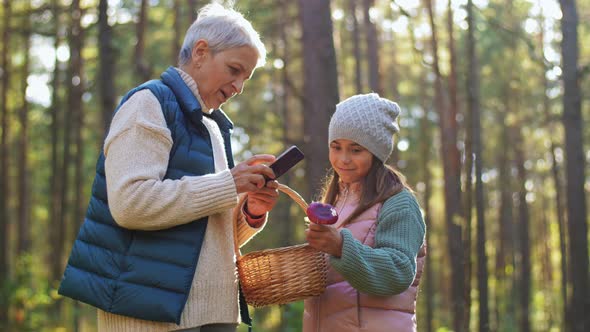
[{"x": 368, "y": 120}]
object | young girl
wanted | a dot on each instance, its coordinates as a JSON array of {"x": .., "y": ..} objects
[{"x": 376, "y": 248}]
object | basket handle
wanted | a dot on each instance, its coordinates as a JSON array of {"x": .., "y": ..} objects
[
  {"x": 294, "y": 195},
  {"x": 285, "y": 189}
]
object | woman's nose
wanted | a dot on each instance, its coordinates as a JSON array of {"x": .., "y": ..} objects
[{"x": 238, "y": 86}]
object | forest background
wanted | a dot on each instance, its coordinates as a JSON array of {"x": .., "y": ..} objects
[{"x": 491, "y": 140}]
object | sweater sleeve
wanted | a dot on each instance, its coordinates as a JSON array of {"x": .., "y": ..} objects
[
  {"x": 390, "y": 267},
  {"x": 245, "y": 230},
  {"x": 137, "y": 150}
]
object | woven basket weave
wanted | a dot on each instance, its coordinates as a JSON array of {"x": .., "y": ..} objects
[{"x": 282, "y": 275}]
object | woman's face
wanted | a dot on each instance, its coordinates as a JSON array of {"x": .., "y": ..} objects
[
  {"x": 350, "y": 160},
  {"x": 222, "y": 75}
]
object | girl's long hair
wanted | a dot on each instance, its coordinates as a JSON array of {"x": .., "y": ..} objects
[{"x": 382, "y": 182}]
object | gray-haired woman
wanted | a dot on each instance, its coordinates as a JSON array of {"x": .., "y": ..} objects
[{"x": 165, "y": 191}]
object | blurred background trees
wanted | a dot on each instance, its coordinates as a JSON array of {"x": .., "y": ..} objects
[{"x": 492, "y": 139}]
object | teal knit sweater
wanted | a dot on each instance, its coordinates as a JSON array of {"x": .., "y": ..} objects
[{"x": 390, "y": 267}]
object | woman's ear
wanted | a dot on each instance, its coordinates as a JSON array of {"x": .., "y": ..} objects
[{"x": 200, "y": 52}]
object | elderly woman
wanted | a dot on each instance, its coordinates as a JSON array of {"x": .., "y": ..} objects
[{"x": 166, "y": 189}]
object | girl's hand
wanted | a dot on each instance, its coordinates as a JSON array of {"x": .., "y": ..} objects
[{"x": 324, "y": 238}]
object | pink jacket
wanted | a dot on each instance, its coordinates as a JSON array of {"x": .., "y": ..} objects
[{"x": 343, "y": 308}]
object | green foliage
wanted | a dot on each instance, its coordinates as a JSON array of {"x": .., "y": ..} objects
[{"x": 29, "y": 295}]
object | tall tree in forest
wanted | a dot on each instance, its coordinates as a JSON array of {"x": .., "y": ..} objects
[
  {"x": 468, "y": 153},
  {"x": 557, "y": 181},
  {"x": 555, "y": 171},
  {"x": 372, "y": 48},
  {"x": 192, "y": 9},
  {"x": 176, "y": 39},
  {"x": 106, "y": 58},
  {"x": 426, "y": 176},
  {"x": 574, "y": 160},
  {"x": 524, "y": 277},
  {"x": 67, "y": 210},
  {"x": 76, "y": 106},
  {"x": 285, "y": 90},
  {"x": 320, "y": 85},
  {"x": 4, "y": 238},
  {"x": 475, "y": 126},
  {"x": 289, "y": 137},
  {"x": 24, "y": 203},
  {"x": 392, "y": 50},
  {"x": 505, "y": 306},
  {"x": 356, "y": 47},
  {"x": 55, "y": 215},
  {"x": 142, "y": 67},
  {"x": 452, "y": 175},
  {"x": 76, "y": 110},
  {"x": 505, "y": 259}
]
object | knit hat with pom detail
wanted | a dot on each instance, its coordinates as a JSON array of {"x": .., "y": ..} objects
[{"x": 368, "y": 120}]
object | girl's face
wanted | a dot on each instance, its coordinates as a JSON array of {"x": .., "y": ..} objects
[{"x": 350, "y": 160}]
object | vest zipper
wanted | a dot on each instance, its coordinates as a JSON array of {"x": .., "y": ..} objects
[
  {"x": 319, "y": 304},
  {"x": 358, "y": 308},
  {"x": 344, "y": 199}
]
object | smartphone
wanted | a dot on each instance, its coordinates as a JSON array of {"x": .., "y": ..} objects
[{"x": 286, "y": 160}]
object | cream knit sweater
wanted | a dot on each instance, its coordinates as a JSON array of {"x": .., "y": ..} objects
[{"x": 137, "y": 150}]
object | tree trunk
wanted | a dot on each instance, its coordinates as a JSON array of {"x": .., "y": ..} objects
[
  {"x": 562, "y": 237},
  {"x": 4, "y": 230},
  {"x": 429, "y": 275},
  {"x": 468, "y": 120},
  {"x": 56, "y": 232},
  {"x": 320, "y": 85},
  {"x": 142, "y": 67},
  {"x": 176, "y": 39},
  {"x": 523, "y": 234},
  {"x": 468, "y": 207},
  {"x": 192, "y": 7},
  {"x": 575, "y": 164},
  {"x": 452, "y": 175},
  {"x": 505, "y": 252},
  {"x": 66, "y": 211},
  {"x": 56, "y": 220},
  {"x": 425, "y": 145},
  {"x": 75, "y": 105},
  {"x": 372, "y": 48},
  {"x": 557, "y": 182},
  {"x": 474, "y": 109},
  {"x": 107, "y": 65},
  {"x": 358, "y": 82},
  {"x": 77, "y": 109},
  {"x": 283, "y": 209},
  {"x": 24, "y": 201},
  {"x": 544, "y": 250}
]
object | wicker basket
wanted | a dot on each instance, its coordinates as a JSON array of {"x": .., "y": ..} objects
[{"x": 282, "y": 275}]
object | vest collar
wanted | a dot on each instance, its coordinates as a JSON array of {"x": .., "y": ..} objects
[{"x": 188, "y": 102}]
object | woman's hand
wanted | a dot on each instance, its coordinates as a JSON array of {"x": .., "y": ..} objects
[
  {"x": 251, "y": 175},
  {"x": 263, "y": 200},
  {"x": 324, "y": 238}
]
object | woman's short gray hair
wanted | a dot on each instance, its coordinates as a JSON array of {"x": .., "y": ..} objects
[{"x": 223, "y": 28}]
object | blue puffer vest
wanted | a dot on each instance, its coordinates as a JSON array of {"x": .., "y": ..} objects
[{"x": 146, "y": 274}]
